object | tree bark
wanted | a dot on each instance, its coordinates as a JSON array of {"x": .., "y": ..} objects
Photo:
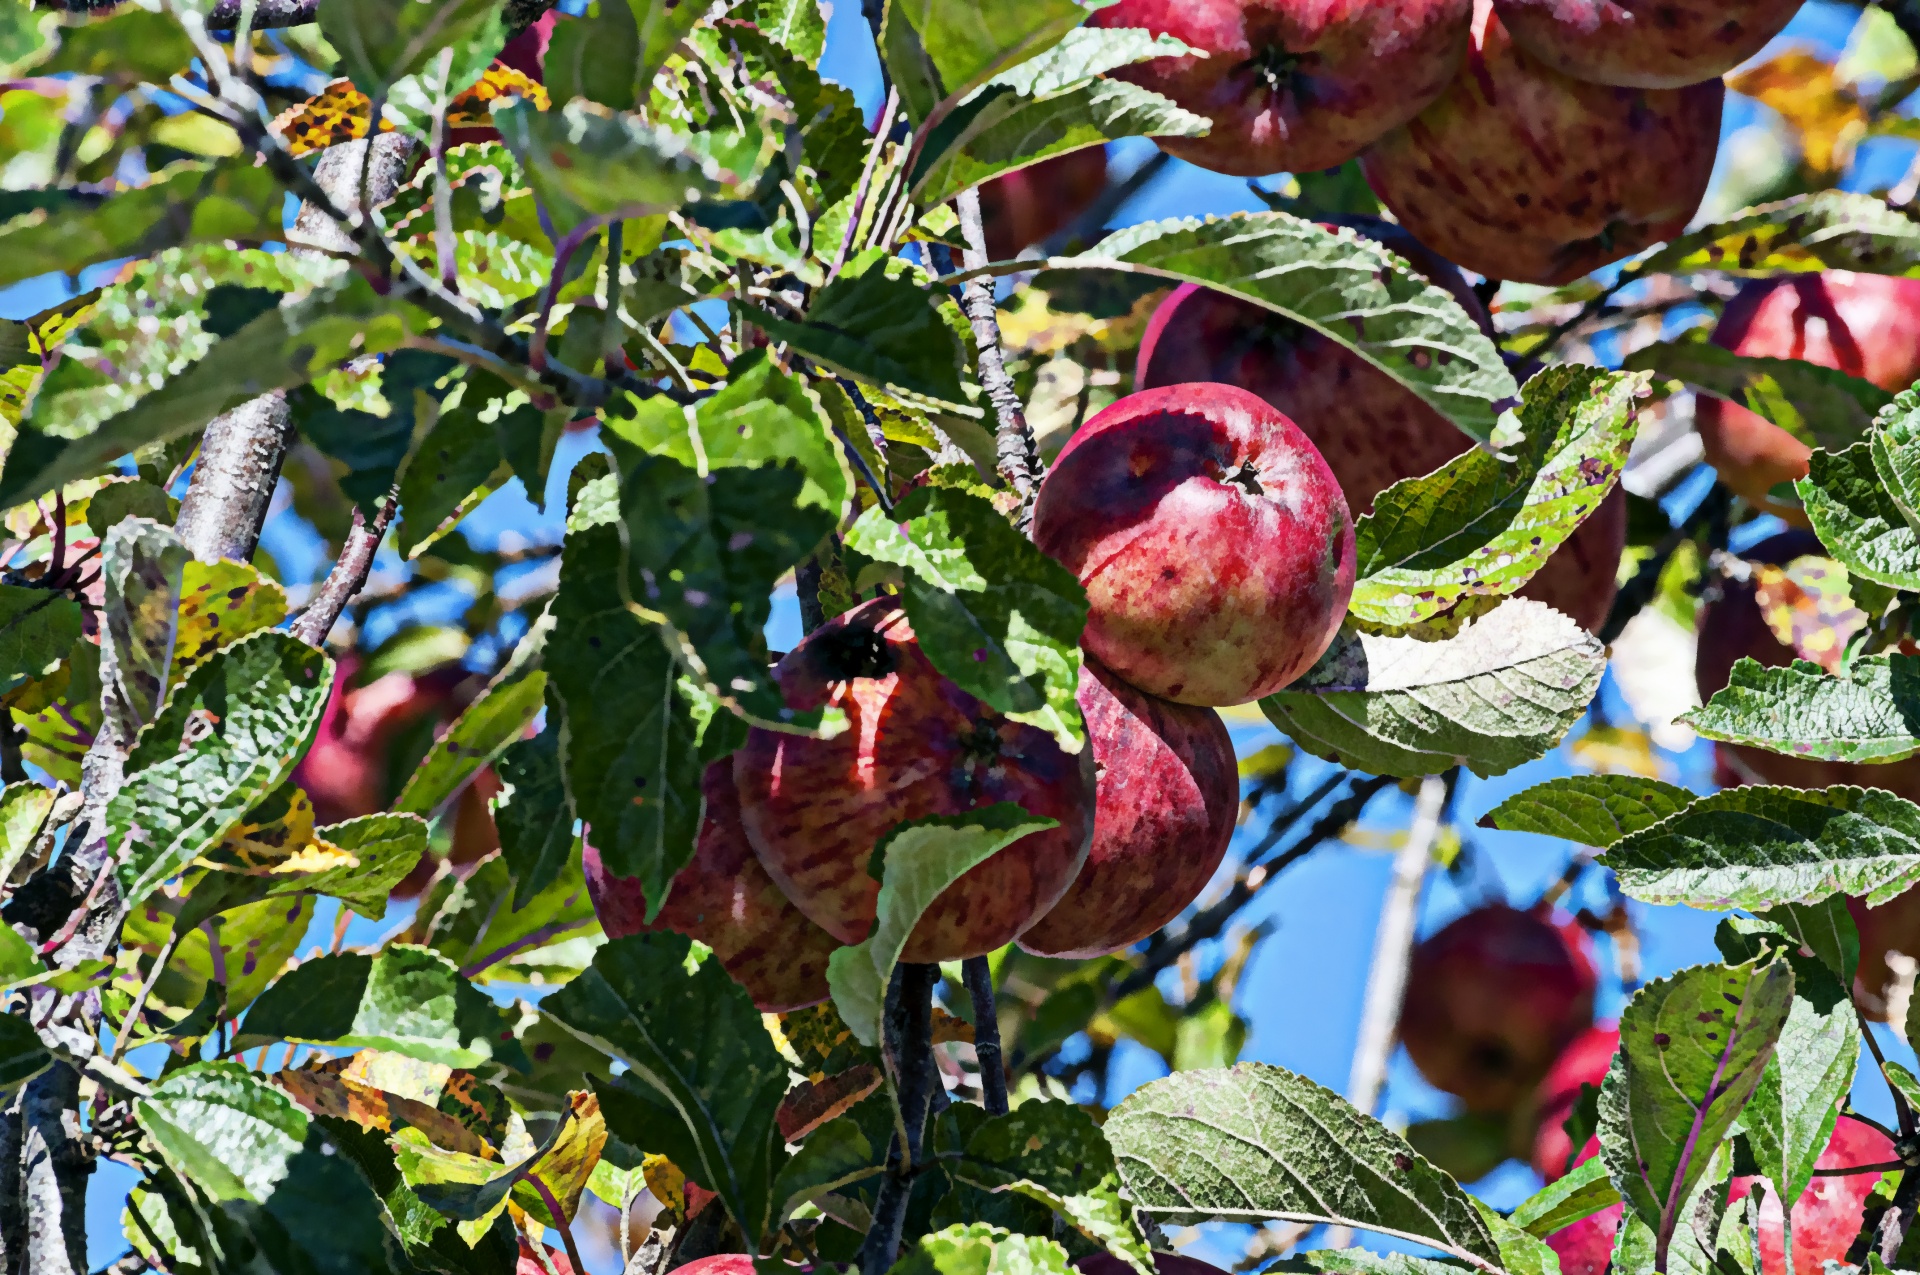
[
  {"x": 1016, "y": 454},
  {"x": 226, "y": 502},
  {"x": 349, "y": 573},
  {"x": 13, "y": 1212},
  {"x": 53, "y": 1174}
]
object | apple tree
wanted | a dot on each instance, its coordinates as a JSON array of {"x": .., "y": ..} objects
[{"x": 777, "y": 954}]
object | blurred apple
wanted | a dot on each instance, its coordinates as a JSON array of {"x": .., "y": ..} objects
[{"x": 1029, "y": 205}]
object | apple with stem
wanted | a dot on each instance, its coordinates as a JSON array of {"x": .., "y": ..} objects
[
  {"x": 1214, "y": 544},
  {"x": 1294, "y": 85},
  {"x": 916, "y": 745},
  {"x": 1164, "y": 809},
  {"x": 725, "y": 899},
  {"x": 1519, "y": 172}
]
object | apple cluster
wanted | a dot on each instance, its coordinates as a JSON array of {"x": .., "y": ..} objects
[{"x": 1217, "y": 555}]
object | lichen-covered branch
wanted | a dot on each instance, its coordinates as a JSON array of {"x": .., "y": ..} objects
[
  {"x": 1016, "y": 455},
  {"x": 349, "y": 573}
]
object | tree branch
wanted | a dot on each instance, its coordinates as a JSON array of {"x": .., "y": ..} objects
[
  {"x": 13, "y": 1213},
  {"x": 1016, "y": 454},
  {"x": 909, "y": 1042},
  {"x": 53, "y": 1173},
  {"x": 986, "y": 1034},
  {"x": 226, "y": 502},
  {"x": 349, "y": 574}
]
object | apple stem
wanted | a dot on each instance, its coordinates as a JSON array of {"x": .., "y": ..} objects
[
  {"x": 1016, "y": 453},
  {"x": 986, "y": 1034}
]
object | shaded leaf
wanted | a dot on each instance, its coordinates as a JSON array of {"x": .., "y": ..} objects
[
  {"x": 22, "y": 1056},
  {"x": 380, "y": 44},
  {"x": 229, "y": 1132},
  {"x": 1827, "y": 230},
  {"x": 877, "y": 327},
  {"x": 37, "y": 629},
  {"x": 1819, "y": 404},
  {"x": 531, "y": 814},
  {"x": 1593, "y": 810}
]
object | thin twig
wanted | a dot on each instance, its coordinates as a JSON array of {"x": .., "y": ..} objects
[
  {"x": 125, "y": 1034},
  {"x": 861, "y": 191},
  {"x": 1016, "y": 454},
  {"x": 559, "y": 1222},
  {"x": 349, "y": 574},
  {"x": 443, "y": 242}
]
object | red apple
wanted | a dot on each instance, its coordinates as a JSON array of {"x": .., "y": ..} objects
[
  {"x": 915, "y": 745},
  {"x": 1294, "y": 85},
  {"x": 1866, "y": 325},
  {"x": 1518, "y": 172},
  {"x": 1164, "y": 1263},
  {"x": 347, "y": 772},
  {"x": 1491, "y": 1001},
  {"x": 1372, "y": 430},
  {"x": 1828, "y": 1213},
  {"x": 1164, "y": 810},
  {"x": 1582, "y": 1063},
  {"x": 1029, "y": 204},
  {"x": 529, "y": 1263},
  {"x": 1212, "y": 538},
  {"x": 1644, "y": 44},
  {"x": 725, "y": 899},
  {"x": 718, "y": 1264}
]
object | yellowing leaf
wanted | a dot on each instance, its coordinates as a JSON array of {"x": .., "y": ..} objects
[
  {"x": 338, "y": 113},
  {"x": 1829, "y": 119},
  {"x": 220, "y": 603},
  {"x": 1616, "y": 750},
  {"x": 1808, "y": 605}
]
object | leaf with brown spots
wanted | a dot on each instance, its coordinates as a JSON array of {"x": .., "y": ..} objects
[
  {"x": 1808, "y": 606},
  {"x": 338, "y": 113},
  {"x": 220, "y": 603},
  {"x": 812, "y": 1103},
  {"x": 325, "y": 1089}
]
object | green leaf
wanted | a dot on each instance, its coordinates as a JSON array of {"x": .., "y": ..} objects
[
  {"x": 490, "y": 931},
  {"x": 835, "y": 1155},
  {"x": 220, "y": 603},
  {"x": 1256, "y": 1143},
  {"x": 282, "y": 348},
  {"x": 61, "y": 715},
  {"x": 22, "y": 1056},
  {"x": 974, "y": 1248},
  {"x": 969, "y": 44},
  {"x": 1692, "y": 1049},
  {"x": 999, "y": 618},
  {"x": 383, "y": 849},
  {"x": 1584, "y": 1191},
  {"x": 762, "y": 416},
  {"x": 37, "y": 629},
  {"x": 587, "y": 164},
  {"x": 1502, "y": 692},
  {"x": 129, "y": 47},
  {"x": 472, "y": 1190},
  {"x": 1480, "y": 525},
  {"x": 381, "y": 43},
  {"x": 184, "y": 204},
  {"x": 629, "y": 747},
  {"x": 704, "y": 551},
  {"x": 880, "y": 328},
  {"x": 1791, "y": 1115},
  {"x": 1593, "y": 810},
  {"x": 921, "y": 857},
  {"x": 1755, "y": 847},
  {"x": 1827, "y": 230},
  {"x": 1521, "y": 1252},
  {"x": 1343, "y": 286},
  {"x": 1896, "y": 453},
  {"x": 228, "y": 1131},
  {"x": 1809, "y": 401},
  {"x": 611, "y": 53},
  {"x": 131, "y": 499},
  {"x": 531, "y": 814},
  {"x": 1003, "y": 130},
  {"x": 254, "y": 942},
  {"x": 265, "y": 695},
  {"x": 1053, "y": 1152},
  {"x": 24, "y": 807},
  {"x": 1826, "y": 929},
  {"x": 406, "y": 1000},
  {"x": 496, "y": 718},
  {"x": 796, "y": 25},
  {"x": 372, "y": 448},
  {"x": 1857, "y": 520},
  {"x": 695, "y": 1043},
  {"x": 1868, "y": 713},
  {"x": 460, "y": 461},
  {"x": 142, "y": 564}
]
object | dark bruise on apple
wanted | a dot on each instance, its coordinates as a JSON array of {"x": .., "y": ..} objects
[
  {"x": 1294, "y": 85},
  {"x": 1372, "y": 430},
  {"x": 1165, "y": 803},
  {"x": 1519, "y": 172},
  {"x": 915, "y": 745},
  {"x": 1492, "y": 999},
  {"x": 1644, "y": 44},
  {"x": 1862, "y": 324},
  {"x": 725, "y": 899},
  {"x": 1214, "y": 544}
]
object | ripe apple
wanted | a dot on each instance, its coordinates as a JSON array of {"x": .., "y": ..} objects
[
  {"x": 1492, "y": 999},
  {"x": 1029, "y": 204},
  {"x": 1828, "y": 1213},
  {"x": 1371, "y": 430},
  {"x": 1164, "y": 1263},
  {"x": 1518, "y": 172},
  {"x": 1865, "y": 325},
  {"x": 1164, "y": 810},
  {"x": 1583, "y": 1062},
  {"x": 529, "y": 1263},
  {"x": 915, "y": 745},
  {"x": 725, "y": 899},
  {"x": 718, "y": 1264},
  {"x": 1294, "y": 85},
  {"x": 1644, "y": 44},
  {"x": 1212, "y": 538}
]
